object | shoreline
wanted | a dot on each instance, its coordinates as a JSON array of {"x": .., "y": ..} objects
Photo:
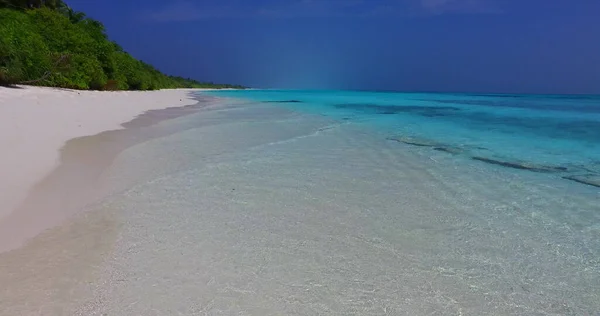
[
  {"x": 59, "y": 141},
  {"x": 255, "y": 208}
]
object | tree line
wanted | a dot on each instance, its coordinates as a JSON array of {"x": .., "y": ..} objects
[{"x": 45, "y": 42}]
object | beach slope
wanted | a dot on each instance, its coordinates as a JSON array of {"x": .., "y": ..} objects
[{"x": 36, "y": 122}]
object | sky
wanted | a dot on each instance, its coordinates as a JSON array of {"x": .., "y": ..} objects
[{"x": 512, "y": 46}]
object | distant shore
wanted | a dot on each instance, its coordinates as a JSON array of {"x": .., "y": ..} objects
[{"x": 35, "y": 125}]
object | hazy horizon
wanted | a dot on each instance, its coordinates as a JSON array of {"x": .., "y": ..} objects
[{"x": 428, "y": 92}]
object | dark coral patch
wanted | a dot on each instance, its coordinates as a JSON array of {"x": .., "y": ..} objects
[{"x": 521, "y": 165}]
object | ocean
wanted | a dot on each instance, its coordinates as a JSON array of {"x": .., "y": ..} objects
[
  {"x": 541, "y": 133},
  {"x": 362, "y": 203}
]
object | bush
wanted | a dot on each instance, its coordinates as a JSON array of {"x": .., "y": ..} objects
[{"x": 23, "y": 52}]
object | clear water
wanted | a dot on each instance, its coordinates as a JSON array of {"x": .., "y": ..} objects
[
  {"x": 553, "y": 131},
  {"x": 360, "y": 203}
]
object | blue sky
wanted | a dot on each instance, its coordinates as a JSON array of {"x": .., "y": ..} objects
[{"x": 532, "y": 46}]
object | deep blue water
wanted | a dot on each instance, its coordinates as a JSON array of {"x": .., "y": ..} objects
[{"x": 554, "y": 134}]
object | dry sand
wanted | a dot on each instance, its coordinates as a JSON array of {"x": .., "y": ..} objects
[{"x": 36, "y": 122}]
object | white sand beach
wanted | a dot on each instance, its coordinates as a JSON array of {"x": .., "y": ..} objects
[
  {"x": 36, "y": 122},
  {"x": 255, "y": 208}
]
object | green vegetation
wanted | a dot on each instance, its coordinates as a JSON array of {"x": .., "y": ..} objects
[{"x": 45, "y": 42}]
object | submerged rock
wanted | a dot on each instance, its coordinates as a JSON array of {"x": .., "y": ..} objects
[
  {"x": 589, "y": 179},
  {"x": 450, "y": 150},
  {"x": 416, "y": 141},
  {"x": 520, "y": 165},
  {"x": 424, "y": 142},
  {"x": 284, "y": 101},
  {"x": 428, "y": 111}
]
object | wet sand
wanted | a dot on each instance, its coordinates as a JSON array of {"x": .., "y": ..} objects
[
  {"x": 74, "y": 183},
  {"x": 36, "y": 122},
  {"x": 46, "y": 274}
]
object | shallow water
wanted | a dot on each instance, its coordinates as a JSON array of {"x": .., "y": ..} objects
[
  {"x": 340, "y": 204},
  {"x": 538, "y": 129}
]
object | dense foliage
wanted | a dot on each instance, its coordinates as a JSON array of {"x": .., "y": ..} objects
[{"x": 45, "y": 42}]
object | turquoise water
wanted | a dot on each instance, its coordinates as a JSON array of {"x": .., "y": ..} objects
[
  {"x": 554, "y": 134},
  {"x": 359, "y": 203}
]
